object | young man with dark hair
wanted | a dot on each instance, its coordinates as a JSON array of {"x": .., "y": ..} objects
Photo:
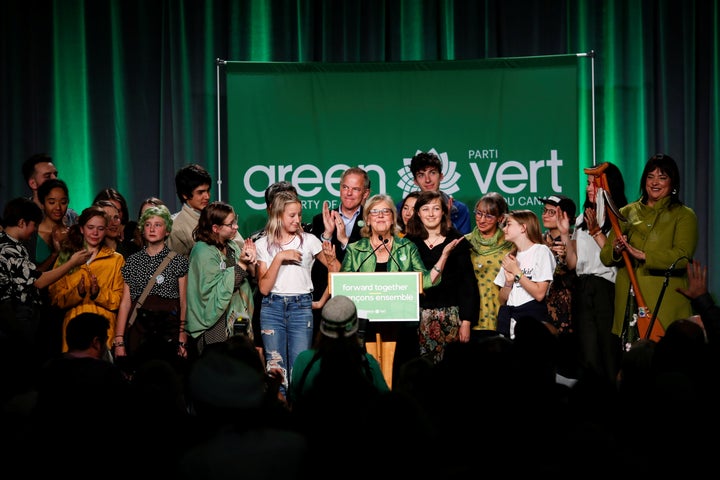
[
  {"x": 192, "y": 185},
  {"x": 426, "y": 168}
]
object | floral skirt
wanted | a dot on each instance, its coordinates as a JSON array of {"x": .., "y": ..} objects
[{"x": 437, "y": 328}]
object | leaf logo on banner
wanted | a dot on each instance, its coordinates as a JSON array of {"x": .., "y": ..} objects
[{"x": 449, "y": 171}]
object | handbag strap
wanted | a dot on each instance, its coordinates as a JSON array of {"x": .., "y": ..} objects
[{"x": 150, "y": 285}]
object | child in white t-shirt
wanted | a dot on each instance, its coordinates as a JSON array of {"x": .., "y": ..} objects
[{"x": 526, "y": 272}]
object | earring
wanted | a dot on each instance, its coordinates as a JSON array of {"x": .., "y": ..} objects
[{"x": 674, "y": 191}]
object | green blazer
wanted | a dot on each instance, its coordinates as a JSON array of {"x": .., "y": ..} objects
[{"x": 359, "y": 257}]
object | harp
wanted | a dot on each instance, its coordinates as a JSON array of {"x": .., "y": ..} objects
[{"x": 648, "y": 326}]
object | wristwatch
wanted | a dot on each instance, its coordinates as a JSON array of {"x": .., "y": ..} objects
[{"x": 518, "y": 277}]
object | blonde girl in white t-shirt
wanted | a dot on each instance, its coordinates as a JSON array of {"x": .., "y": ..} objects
[
  {"x": 526, "y": 272},
  {"x": 285, "y": 257}
]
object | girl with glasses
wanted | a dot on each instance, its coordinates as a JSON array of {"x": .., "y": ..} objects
[
  {"x": 219, "y": 294},
  {"x": 561, "y": 209}
]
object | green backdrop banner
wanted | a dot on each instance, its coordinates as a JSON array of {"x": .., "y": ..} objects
[{"x": 508, "y": 125}]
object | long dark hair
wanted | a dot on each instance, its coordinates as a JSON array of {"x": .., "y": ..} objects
[
  {"x": 667, "y": 165},
  {"x": 415, "y": 226},
  {"x": 616, "y": 185}
]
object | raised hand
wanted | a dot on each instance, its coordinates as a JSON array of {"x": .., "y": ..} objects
[
  {"x": 328, "y": 220},
  {"x": 591, "y": 219},
  {"x": 451, "y": 246},
  {"x": 342, "y": 236},
  {"x": 329, "y": 252},
  {"x": 697, "y": 281},
  {"x": 563, "y": 223}
]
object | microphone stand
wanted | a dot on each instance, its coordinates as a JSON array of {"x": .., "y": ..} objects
[
  {"x": 385, "y": 241},
  {"x": 655, "y": 312}
]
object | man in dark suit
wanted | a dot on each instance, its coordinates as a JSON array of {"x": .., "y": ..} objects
[{"x": 340, "y": 226}]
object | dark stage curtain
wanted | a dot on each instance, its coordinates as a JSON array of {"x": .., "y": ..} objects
[{"x": 123, "y": 93}]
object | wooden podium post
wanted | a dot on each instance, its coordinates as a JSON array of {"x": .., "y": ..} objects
[{"x": 384, "y": 353}]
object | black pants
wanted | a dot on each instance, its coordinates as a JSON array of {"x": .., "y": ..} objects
[{"x": 600, "y": 351}]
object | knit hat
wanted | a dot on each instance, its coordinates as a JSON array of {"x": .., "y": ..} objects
[
  {"x": 339, "y": 317},
  {"x": 563, "y": 203}
]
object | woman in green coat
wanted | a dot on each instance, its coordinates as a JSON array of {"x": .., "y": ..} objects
[{"x": 659, "y": 233}]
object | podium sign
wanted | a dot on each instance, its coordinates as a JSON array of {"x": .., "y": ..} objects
[{"x": 381, "y": 296}]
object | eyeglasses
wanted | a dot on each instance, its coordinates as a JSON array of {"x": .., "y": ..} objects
[
  {"x": 549, "y": 213},
  {"x": 482, "y": 215},
  {"x": 378, "y": 211},
  {"x": 232, "y": 224}
]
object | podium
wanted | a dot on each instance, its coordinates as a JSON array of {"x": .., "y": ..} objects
[{"x": 383, "y": 299}]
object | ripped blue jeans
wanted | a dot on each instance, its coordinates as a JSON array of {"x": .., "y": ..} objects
[{"x": 286, "y": 327}]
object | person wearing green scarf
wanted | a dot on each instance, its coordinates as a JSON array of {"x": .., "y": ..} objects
[{"x": 488, "y": 249}]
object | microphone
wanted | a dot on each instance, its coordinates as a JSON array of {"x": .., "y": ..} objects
[
  {"x": 384, "y": 244},
  {"x": 672, "y": 267}
]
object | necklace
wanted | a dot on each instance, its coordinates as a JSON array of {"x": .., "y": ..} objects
[{"x": 432, "y": 242}]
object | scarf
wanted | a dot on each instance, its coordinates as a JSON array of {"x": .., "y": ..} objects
[{"x": 487, "y": 246}]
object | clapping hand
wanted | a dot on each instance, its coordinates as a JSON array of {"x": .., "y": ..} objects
[
  {"x": 328, "y": 219},
  {"x": 451, "y": 246},
  {"x": 511, "y": 267},
  {"x": 81, "y": 286},
  {"x": 249, "y": 253},
  {"x": 59, "y": 233},
  {"x": 563, "y": 223},
  {"x": 591, "y": 219},
  {"x": 94, "y": 287}
]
